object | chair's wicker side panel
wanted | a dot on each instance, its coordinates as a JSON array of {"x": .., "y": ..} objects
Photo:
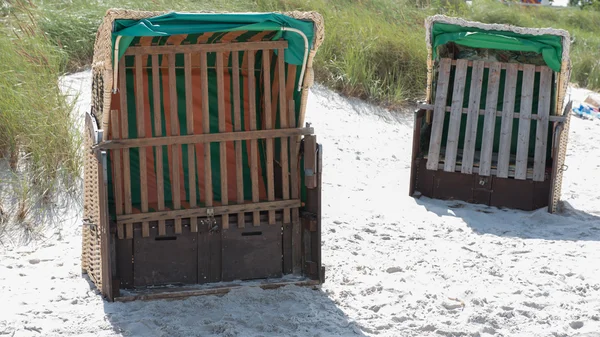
[
  {"x": 95, "y": 261},
  {"x": 563, "y": 83},
  {"x": 102, "y": 62},
  {"x": 319, "y": 37},
  {"x": 85, "y": 230},
  {"x": 562, "y": 153},
  {"x": 85, "y": 242},
  {"x": 91, "y": 210}
]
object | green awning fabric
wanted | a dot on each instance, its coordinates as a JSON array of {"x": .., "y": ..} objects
[
  {"x": 194, "y": 23},
  {"x": 549, "y": 46}
]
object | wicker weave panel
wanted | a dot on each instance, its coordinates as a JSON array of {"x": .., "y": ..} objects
[
  {"x": 562, "y": 153},
  {"x": 91, "y": 213},
  {"x": 94, "y": 258}
]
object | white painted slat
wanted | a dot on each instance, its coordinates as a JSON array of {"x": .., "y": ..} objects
[
  {"x": 541, "y": 134},
  {"x": 455, "y": 114},
  {"x": 510, "y": 89},
  {"x": 489, "y": 121},
  {"x": 524, "y": 122},
  {"x": 439, "y": 113},
  {"x": 472, "y": 117}
]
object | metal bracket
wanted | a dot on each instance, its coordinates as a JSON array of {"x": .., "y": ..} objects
[
  {"x": 212, "y": 222},
  {"x": 564, "y": 168},
  {"x": 89, "y": 224},
  {"x": 95, "y": 133}
]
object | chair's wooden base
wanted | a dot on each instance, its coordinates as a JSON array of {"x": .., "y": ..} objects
[
  {"x": 220, "y": 288},
  {"x": 512, "y": 193}
]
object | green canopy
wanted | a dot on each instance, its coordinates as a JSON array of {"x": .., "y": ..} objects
[
  {"x": 549, "y": 46},
  {"x": 194, "y": 23}
]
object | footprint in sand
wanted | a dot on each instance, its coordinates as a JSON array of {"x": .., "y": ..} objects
[
  {"x": 400, "y": 319},
  {"x": 376, "y": 308},
  {"x": 451, "y": 306},
  {"x": 576, "y": 325},
  {"x": 538, "y": 306},
  {"x": 369, "y": 230},
  {"x": 428, "y": 328}
]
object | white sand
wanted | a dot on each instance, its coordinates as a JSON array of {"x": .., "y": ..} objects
[{"x": 393, "y": 262}]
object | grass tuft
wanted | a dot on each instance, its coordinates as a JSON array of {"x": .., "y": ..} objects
[
  {"x": 581, "y": 25},
  {"x": 38, "y": 132},
  {"x": 373, "y": 50}
]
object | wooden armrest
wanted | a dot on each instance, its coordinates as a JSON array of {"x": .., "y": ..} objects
[{"x": 423, "y": 106}]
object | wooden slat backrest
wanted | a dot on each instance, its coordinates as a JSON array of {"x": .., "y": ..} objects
[
  {"x": 490, "y": 155},
  {"x": 165, "y": 107}
]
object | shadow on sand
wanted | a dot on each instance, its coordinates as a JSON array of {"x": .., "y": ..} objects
[
  {"x": 568, "y": 224},
  {"x": 246, "y": 311}
]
